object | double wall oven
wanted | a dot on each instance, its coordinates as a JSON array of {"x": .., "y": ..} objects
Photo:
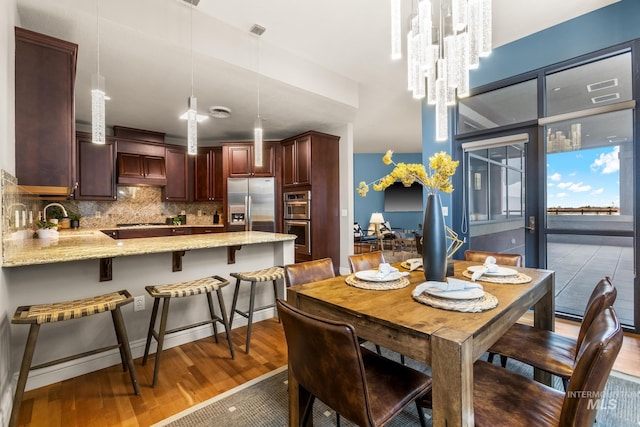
[{"x": 297, "y": 219}]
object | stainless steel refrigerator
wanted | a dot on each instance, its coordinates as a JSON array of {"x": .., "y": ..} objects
[{"x": 251, "y": 204}]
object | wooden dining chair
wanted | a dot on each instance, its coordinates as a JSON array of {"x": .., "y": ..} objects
[
  {"x": 328, "y": 363},
  {"x": 548, "y": 350},
  {"x": 505, "y": 398},
  {"x": 309, "y": 271},
  {"x": 366, "y": 261},
  {"x": 501, "y": 259}
]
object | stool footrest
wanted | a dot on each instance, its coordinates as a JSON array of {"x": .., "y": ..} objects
[
  {"x": 193, "y": 325},
  {"x": 74, "y": 357},
  {"x": 246, "y": 313}
]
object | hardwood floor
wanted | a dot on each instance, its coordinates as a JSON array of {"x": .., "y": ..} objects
[{"x": 190, "y": 374}]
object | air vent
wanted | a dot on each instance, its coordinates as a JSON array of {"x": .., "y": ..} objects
[
  {"x": 605, "y": 98},
  {"x": 219, "y": 112},
  {"x": 257, "y": 29},
  {"x": 602, "y": 85}
]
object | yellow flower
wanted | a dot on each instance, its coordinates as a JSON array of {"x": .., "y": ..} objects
[{"x": 440, "y": 164}]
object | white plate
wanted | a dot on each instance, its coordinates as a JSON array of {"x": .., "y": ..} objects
[
  {"x": 370, "y": 276},
  {"x": 502, "y": 271},
  {"x": 463, "y": 294}
]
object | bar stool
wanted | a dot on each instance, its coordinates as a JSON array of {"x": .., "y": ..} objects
[
  {"x": 37, "y": 315},
  {"x": 271, "y": 274},
  {"x": 179, "y": 290}
]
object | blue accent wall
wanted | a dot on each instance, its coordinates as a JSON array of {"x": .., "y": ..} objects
[
  {"x": 368, "y": 168},
  {"x": 602, "y": 28}
]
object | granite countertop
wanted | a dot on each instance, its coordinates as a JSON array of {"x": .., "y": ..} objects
[{"x": 84, "y": 244}]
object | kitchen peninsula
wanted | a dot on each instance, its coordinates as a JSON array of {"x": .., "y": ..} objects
[{"x": 66, "y": 268}]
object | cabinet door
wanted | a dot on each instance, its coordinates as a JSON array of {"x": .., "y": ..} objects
[
  {"x": 288, "y": 164},
  {"x": 268, "y": 161},
  {"x": 216, "y": 173},
  {"x": 154, "y": 167},
  {"x": 202, "y": 184},
  {"x": 303, "y": 160},
  {"x": 130, "y": 165},
  {"x": 177, "y": 165},
  {"x": 96, "y": 170},
  {"x": 240, "y": 161}
]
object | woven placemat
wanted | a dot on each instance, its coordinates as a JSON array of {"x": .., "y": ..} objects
[
  {"x": 400, "y": 283},
  {"x": 484, "y": 303},
  {"x": 516, "y": 279}
]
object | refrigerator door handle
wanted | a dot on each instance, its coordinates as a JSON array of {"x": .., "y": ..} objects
[{"x": 248, "y": 222}]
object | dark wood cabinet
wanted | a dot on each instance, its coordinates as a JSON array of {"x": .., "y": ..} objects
[
  {"x": 178, "y": 164},
  {"x": 140, "y": 163},
  {"x": 45, "y": 70},
  {"x": 208, "y": 175},
  {"x": 95, "y": 169},
  {"x": 296, "y": 161},
  {"x": 238, "y": 160}
]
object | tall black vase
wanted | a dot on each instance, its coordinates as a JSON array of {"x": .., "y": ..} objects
[{"x": 434, "y": 241}]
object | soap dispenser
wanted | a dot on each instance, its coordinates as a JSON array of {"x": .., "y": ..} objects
[{"x": 216, "y": 217}]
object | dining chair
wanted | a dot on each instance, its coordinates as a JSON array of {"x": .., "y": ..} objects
[
  {"x": 501, "y": 259},
  {"x": 328, "y": 363},
  {"x": 366, "y": 261},
  {"x": 548, "y": 350},
  {"x": 505, "y": 398},
  {"x": 309, "y": 271}
]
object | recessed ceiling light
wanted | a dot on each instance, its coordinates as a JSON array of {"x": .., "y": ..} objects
[
  {"x": 199, "y": 117},
  {"x": 220, "y": 112}
]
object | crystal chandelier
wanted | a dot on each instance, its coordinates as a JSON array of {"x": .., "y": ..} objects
[
  {"x": 446, "y": 39},
  {"x": 192, "y": 103},
  {"x": 97, "y": 92}
]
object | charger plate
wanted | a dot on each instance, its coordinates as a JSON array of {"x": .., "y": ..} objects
[
  {"x": 400, "y": 283},
  {"x": 476, "y": 305},
  {"x": 517, "y": 279}
]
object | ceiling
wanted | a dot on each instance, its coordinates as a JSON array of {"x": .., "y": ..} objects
[{"x": 322, "y": 64}]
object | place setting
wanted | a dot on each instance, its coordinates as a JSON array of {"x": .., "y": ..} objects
[
  {"x": 385, "y": 277},
  {"x": 493, "y": 273},
  {"x": 455, "y": 295}
]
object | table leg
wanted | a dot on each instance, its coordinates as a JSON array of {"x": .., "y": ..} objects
[
  {"x": 544, "y": 318},
  {"x": 452, "y": 370}
]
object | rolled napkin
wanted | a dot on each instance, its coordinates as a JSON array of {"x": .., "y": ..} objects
[
  {"x": 489, "y": 266},
  {"x": 385, "y": 269},
  {"x": 450, "y": 285}
]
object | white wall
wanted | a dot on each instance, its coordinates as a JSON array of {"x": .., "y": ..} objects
[{"x": 8, "y": 18}]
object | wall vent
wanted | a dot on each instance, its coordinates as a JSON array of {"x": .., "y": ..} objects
[
  {"x": 606, "y": 84},
  {"x": 605, "y": 98}
]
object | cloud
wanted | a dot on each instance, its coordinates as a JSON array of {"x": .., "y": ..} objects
[
  {"x": 598, "y": 191},
  {"x": 555, "y": 177},
  {"x": 607, "y": 162},
  {"x": 578, "y": 187},
  {"x": 561, "y": 195},
  {"x": 551, "y": 184}
]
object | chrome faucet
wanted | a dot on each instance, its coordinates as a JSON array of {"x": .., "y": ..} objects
[{"x": 64, "y": 211}]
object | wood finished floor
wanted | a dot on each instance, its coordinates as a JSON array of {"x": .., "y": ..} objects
[{"x": 190, "y": 374}]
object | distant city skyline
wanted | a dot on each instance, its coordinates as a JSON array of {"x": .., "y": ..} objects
[{"x": 584, "y": 178}]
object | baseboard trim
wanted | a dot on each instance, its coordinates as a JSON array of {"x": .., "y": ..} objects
[{"x": 64, "y": 371}]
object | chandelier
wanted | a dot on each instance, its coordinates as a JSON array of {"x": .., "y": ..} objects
[{"x": 446, "y": 39}]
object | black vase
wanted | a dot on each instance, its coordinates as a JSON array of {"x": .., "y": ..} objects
[{"x": 434, "y": 241}]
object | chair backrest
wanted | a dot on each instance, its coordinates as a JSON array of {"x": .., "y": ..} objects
[
  {"x": 365, "y": 261},
  {"x": 325, "y": 359},
  {"x": 501, "y": 259},
  {"x": 307, "y": 272},
  {"x": 596, "y": 356},
  {"x": 603, "y": 296}
]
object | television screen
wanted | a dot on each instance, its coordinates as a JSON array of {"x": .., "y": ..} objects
[{"x": 398, "y": 198}]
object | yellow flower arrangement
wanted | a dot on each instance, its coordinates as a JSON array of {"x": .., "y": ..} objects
[{"x": 441, "y": 167}]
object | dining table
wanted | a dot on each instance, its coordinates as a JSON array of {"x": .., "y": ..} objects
[{"x": 448, "y": 341}]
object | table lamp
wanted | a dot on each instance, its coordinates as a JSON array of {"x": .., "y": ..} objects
[{"x": 376, "y": 220}]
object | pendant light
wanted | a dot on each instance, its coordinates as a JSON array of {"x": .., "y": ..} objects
[
  {"x": 97, "y": 92},
  {"x": 192, "y": 103},
  {"x": 257, "y": 124}
]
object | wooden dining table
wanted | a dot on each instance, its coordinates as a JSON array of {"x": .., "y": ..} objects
[{"x": 448, "y": 341}]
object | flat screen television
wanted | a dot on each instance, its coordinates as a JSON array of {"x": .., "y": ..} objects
[{"x": 398, "y": 198}]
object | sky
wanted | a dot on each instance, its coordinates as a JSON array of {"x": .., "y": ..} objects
[{"x": 584, "y": 178}]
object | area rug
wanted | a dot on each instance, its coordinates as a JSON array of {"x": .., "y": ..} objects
[{"x": 263, "y": 402}]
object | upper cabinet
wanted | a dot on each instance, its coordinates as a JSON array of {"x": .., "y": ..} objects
[
  {"x": 45, "y": 70},
  {"x": 296, "y": 161},
  {"x": 95, "y": 169},
  {"x": 179, "y": 166},
  {"x": 140, "y": 162},
  {"x": 238, "y": 160},
  {"x": 208, "y": 174}
]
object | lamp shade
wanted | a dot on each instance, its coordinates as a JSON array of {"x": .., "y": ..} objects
[{"x": 376, "y": 218}]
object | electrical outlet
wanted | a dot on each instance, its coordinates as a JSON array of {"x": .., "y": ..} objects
[{"x": 138, "y": 303}]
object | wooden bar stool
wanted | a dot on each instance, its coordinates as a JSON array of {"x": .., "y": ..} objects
[
  {"x": 36, "y": 315},
  {"x": 271, "y": 274},
  {"x": 179, "y": 290}
]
